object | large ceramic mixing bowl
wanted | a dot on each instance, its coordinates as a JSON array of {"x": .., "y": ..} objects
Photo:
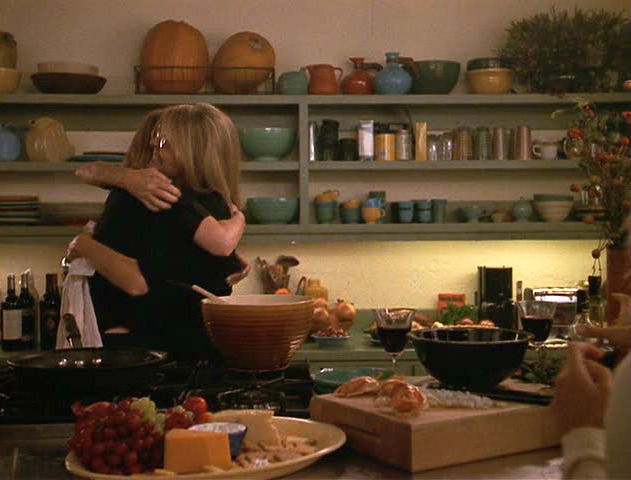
[
  {"x": 267, "y": 144},
  {"x": 473, "y": 358},
  {"x": 435, "y": 76},
  {"x": 266, "y": 210},
  {"x": 258, "y": 332}
]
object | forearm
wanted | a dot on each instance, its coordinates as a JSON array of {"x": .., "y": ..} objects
[
  {"x": 118, "y": 269},
  {"x": 584, "y": 453},
  {"x": 220, "y": 237},
  {"x": 103, "y": 174}
]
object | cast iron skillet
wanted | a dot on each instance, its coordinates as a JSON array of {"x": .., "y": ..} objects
[{"x": 87, "y": 369}]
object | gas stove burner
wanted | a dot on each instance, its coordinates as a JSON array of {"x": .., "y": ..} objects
[{"x": 252, "y": 398}]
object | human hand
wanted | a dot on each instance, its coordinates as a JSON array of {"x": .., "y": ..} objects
[
  {"x": 154, "y": 189},
  {"x": 241, "y": 274},
  {"x": 73, "y": 252},
  {"x": 582, "y": 389},
  {"x": 618, "y": 336}
]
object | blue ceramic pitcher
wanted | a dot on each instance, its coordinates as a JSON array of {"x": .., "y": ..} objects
[
  {"x": 293, "y": 83},
  {"x": 393, "y": 80}
]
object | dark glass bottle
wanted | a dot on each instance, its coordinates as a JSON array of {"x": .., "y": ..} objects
[
  {"x": 49, "y": 313},
  {"x": 27, "y": 304},
  {"x": 11, "y": 318}
]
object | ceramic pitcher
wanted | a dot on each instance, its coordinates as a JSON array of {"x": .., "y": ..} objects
[
  {"x": 293, "y": 83},
  {"x": 323, "y": 79},
  {"x": 359, "y": 81}
]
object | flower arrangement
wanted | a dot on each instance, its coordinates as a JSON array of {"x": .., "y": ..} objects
[
  {"x": 558, "y": 51},
  {"x": 604, "y": 138}
]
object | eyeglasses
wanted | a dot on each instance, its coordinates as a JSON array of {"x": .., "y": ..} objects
[{"x": 158, "y": 140}]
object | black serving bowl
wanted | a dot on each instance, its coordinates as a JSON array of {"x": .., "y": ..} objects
[{"x": 476, "y": 359}]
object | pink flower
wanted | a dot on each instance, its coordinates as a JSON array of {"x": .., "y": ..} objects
[{"x": 627, "y": 115}]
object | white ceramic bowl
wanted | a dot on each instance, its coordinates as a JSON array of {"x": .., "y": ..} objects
[
  {"x": 67, "y": 67},
  {"x": 554, "y": 210},
  {"x": 9, "y": 79}
]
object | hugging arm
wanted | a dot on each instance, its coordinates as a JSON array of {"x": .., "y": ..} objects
[{"x": 154, "y": 189}]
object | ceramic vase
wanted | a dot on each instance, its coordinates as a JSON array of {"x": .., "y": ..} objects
[
  {"x": 10, "y": 145},
  {"x": 522, "y": 210},
  {"x": 359, "y": 81},
  {"x": 393, "y": 80}
]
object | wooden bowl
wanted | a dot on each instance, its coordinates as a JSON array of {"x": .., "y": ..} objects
[
  {"x": 67, "y": 82},
  {"x": 490, "y": 80},
  {"x": 258, "y": 332}
]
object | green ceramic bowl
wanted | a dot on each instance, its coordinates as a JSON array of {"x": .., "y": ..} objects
[
  {"x": 267, "y": 144},
  {"x": 435, "y": 76},
  {"x": 266, "y": 210}
]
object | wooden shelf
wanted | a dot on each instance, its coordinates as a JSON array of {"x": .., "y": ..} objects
[
  {"x": 261, "y": 234},
  {"x": 47, "y": 167}
]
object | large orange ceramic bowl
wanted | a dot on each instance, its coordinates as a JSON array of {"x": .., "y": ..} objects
[{"x": 258, "y": 332}]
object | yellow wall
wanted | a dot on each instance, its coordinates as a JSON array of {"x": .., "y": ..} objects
[{"x": 109, "y": 34}]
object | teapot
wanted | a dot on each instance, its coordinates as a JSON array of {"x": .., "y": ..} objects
[
  {"x": 323, "y": 79},
  {"x": 293, "y": 83},
  {"x": 46, "y": 141},
  {"x": 10, "y": 145}
]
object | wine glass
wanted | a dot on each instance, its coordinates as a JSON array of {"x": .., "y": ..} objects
[
  {"x": 536, "y": 317},
  {"x": 393, "y": 326}
]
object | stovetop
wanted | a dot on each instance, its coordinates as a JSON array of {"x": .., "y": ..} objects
[{"x": 287, "y": 392}]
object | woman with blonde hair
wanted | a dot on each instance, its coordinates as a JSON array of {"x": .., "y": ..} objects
[{"x": 143, "y": 255}]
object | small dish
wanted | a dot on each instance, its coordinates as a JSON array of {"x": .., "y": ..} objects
[
  {"x": 330, "y": 342},
  {"x": 236, "y": 433}
]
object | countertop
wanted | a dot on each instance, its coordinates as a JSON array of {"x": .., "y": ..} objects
[{"x": 37, "y": 453}]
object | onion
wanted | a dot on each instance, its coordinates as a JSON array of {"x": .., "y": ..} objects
[
  {"x": 320, "y": 302},
  {"x": 320, "y": 320},
  {"x": 344, "y": 311}
]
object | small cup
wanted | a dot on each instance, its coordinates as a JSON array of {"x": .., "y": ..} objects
[
  {"x": 545, "y": 150},
  {"x": 406, "y": 211},
  {"x": 373, "y": 202},
  {"x": 325, "y": 212},
  {"x": 327, "y": 196},
  {"x": 372, "y": 214},
  {"x": 351, "y": 215},
  {"x": 439, "y": 207},
  {"x": 352, "y": 203}
]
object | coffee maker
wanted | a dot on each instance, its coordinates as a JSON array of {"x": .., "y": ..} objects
[{"x": 495, "y": 296}]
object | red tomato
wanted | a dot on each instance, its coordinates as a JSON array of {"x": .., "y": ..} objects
[
  {"x": 205, "y": 417},
  {"x": 197, "y": 405}
]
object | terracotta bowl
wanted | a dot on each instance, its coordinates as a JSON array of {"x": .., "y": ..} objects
[
  {"x": 473, "y": 358},
  {"x": 258, "y": 332}
]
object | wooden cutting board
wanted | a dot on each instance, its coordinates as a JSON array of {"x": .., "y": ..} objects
[{"x": 438, "y": 437}]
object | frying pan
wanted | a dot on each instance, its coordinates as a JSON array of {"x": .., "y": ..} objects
[{"x": 87, "y": 370}]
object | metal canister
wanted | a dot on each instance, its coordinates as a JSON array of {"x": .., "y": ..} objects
[
  {"x": 463, "y": 144},
  {"x": 313, "y": 135},
  {"x": 403, "y": 145},
  {"x": 500, "y": 149}
]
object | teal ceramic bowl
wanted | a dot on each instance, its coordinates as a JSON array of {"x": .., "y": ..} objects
[
  {"x": 328, "y": 379},
  {"x": 267, "y": 144},
  {"x": 435, "y": 77},
  {"x": 552, "y": 197},
  {"x": 236, "y": 433},
  {"x": 266, "y": 210}
]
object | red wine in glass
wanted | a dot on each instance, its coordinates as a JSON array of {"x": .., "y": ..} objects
[
  {"x": 538, "y": 326},
  {"x": 393, "y": 339}
]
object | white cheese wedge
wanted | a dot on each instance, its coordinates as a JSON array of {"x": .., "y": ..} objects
[{"x": 259, "y": 423}]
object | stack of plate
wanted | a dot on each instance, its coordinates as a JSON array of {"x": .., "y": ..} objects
[
  {"x": 19, "y": 210},
  {"x": 71, "y": 213}
]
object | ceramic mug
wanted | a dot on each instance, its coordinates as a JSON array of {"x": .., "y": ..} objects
[
  {"x": 373, "y": 202},
  {"x": 327, "y": 196},
  {"x": 326, "y": 211},
  {"x": 350, "y": 214},
  {"x": 545, "y": 150},
  {"x": 439, "y": 207},
  {"x": 372, "y": 214},
  {"x": 406, "y": 211}
]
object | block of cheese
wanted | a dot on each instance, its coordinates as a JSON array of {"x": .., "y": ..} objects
[
  {"x": 259, "y": 423},
  {"x": 187, "y": 451}
]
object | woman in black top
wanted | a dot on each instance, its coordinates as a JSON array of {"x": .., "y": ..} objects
[{"x": 142, "y": 257}]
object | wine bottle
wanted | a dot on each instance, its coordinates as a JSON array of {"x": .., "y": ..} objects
[
  {"x": 27, "y": 304},
  {"x": 11, "y": 318},
  {"x": 49, "y": 313}
]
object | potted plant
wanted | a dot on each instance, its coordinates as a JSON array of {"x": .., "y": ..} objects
[
  {"x": 605, "y": 136},
  {"x": 557, "y": 51}
]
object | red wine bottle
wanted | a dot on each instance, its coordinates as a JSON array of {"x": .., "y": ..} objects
[
  {"x": 11, "y": 318},
  {"x": 49, "y": 313}
]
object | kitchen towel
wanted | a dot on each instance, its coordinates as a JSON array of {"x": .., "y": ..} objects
[{"x": 76, "y": 299}]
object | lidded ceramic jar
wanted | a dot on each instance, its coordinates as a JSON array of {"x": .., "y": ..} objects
[
  {"x": 393, "y": 80},
  {"x": 522, "y": 210}
]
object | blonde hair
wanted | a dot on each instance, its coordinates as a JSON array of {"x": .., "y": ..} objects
[{"x": 204, "y": 141}]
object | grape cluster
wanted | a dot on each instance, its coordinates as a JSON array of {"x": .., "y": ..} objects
[{"x": 127, "y": 437}]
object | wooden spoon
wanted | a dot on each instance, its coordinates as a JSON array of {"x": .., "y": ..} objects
[{"x": 211, "y": 296}]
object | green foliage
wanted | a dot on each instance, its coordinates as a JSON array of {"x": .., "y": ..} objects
[
  {"x": 544, "y": 369},
  {"x": 452, "y": 313},
  {"x": 587, "y": 44}
]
